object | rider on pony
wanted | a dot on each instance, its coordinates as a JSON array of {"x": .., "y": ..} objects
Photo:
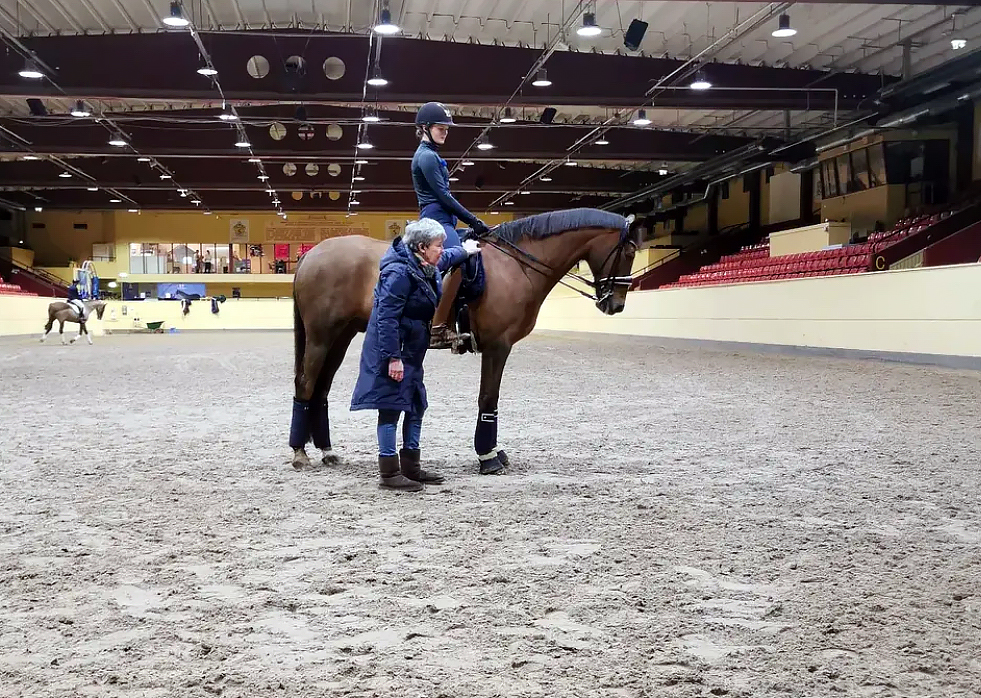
[
  {"x": 75, "y": 301},
  {"x": 430, "y": 178}
]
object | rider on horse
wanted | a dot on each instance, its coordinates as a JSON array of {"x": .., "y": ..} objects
[
  {"x": 76, "y": 302},
  {"x": 430, "y": 177}
]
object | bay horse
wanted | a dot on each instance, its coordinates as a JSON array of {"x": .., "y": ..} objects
[
  {"x": 63, "y": 312},
  {"x": 523, "y": 260}
]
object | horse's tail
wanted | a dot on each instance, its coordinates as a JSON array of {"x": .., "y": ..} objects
[{"x": 299, "y": 337}]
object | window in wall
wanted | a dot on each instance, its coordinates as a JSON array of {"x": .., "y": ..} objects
[
  {"x": 724, "y": 190},
  {"x": 844, "y": 167},
  {"x": 830, "y": 175},
  {"x": 877, "y": 165},
  {"x": 859, "y": 169}
]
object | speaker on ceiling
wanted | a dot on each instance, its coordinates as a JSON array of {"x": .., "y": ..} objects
[
  {"x": 548, "y": 115},
  {"x": 635, "y": 34}
]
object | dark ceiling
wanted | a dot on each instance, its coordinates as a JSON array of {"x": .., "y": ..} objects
[{"x": 198, "y": 150}]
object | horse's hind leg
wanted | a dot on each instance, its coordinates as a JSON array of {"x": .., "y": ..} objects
[
  {"x": 47, "y": 328},
  {"x": 314, "y": 356},
  {"x": 61, "y": 330},
  {"x": 319, "y": 410}
]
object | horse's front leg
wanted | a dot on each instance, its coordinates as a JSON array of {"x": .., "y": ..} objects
[
  {"x": 492, "y": 459},
  {"x": 81, "y": 327},
  {"x": 88, "y": 335},
  {"x": 61, "y": 330}
]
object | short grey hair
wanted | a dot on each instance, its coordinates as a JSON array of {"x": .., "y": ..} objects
[{"x": 422, "y": 232}]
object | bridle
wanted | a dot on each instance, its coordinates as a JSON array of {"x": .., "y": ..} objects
[{"x": 604, "y": 287}]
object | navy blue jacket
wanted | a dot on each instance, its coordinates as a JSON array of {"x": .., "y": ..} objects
[
  {"x": 431, "y": 180},
  {"x": 405, "y": 302},
  {"x": 73, "y": 294}
]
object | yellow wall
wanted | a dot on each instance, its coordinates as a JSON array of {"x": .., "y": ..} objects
[
  {"x": 59, "y": 242},
  {"x": 863, "y": 208},
  {"x": 809, "y": 238},
  {"x": 920, "y": 311},
  {"x": 18, "y": 255},
  {"x": 25, "y": 315},
  {"x": 916, "y": 311}
]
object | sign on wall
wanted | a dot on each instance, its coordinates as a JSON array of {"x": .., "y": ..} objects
[
  {"x": 313, "y": 228},
  {"x": 238, "y": 230}
]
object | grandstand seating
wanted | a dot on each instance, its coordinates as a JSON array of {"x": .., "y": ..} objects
[
  {"x": 754, "y": 263},
  {"x": 12, "y": 289}
]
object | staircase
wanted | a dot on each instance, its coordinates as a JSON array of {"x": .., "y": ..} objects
[{"x": 33, "y": 280}]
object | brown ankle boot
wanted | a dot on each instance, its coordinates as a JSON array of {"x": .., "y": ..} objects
[
  {"x": 392, "y": 479},
  {"x": 412, "y": 470}
]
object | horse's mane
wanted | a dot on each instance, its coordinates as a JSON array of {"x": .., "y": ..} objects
[{"x": 545, "y": 225}]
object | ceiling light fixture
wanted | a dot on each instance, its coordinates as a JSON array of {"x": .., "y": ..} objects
[
  {"x": 166, "y": 176},
  {"x": 366, "y": 145},
  {"x": 454, "y": 179},
  {"x": 143, "y": 159},
  {"x": 360, "y": 162},
  {"x": 228, "y": 116},
  {"x": 38, "y": 209},
  {"x": 359, "y": 178},
  {"x": 80, "y": 111},
  {"x": 207, "y": 71},
  {"x": 92, "y": 188},
  {"x": 30, "y": 71},
  {"x": 385, "y": 24},
  {"x": 783, "y": 27},
  {"x": 255, "y": 160},
  {"x": 546, "y": 179},
  {"x": 700, "y": 82},
  {"x": 508, "y": 118},
  {"x": 376, "y": 79},
  {"x": 176, "y": 18},
  {"x": 243, "y": 144},
  {"x": 30, "y": 157},
  {"x": 65, "y": 175},
  {"x": 371, "y": 118},
  {"x": 115, "y": 201},
  {"x": 541, "y": 80},
  {"x": 642, "y": 119},
  {"x": 602, "y": 141},
  {"x": 466, "y": 163},
  {"x": 117, "y": 141},
  {"x": 589, "y": 26}
]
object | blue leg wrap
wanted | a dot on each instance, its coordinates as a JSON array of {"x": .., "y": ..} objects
[
  {"x": 485, "y": 436},
  {"x": 300, "y": 426},
  {"x": 320, "y": 425}
]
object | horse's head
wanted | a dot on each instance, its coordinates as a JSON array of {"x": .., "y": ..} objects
[
  {"x": 100, "y": 308},
  {"x": 610, "y": 259}
]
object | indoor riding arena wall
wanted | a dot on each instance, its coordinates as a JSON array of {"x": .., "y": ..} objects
[{"x": 928, "y": 315}]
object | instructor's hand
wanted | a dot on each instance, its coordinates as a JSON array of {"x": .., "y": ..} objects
[
  {"x": 395, "y": 370},
  {"x": 471, "y": 247}
]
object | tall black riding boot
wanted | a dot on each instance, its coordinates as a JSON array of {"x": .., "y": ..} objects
[
  {"x": 413, "y": 470},
  {"x": 392, "y": 479}
]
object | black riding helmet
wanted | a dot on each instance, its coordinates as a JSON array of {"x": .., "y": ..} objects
[{"x": 432, "y": 113}]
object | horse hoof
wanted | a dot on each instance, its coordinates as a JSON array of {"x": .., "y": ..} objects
[
  {"x": 503, "y": 457},
  {"x": 491, "y": 466},
  {"x": 330, "y": 458}
]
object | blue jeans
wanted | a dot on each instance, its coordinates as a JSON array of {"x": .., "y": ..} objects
[{"x": 388, "y": 422}]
